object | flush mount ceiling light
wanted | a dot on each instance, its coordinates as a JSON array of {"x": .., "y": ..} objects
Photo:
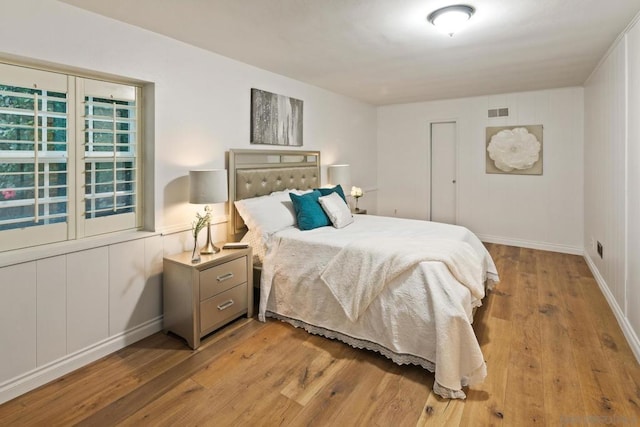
[{"x": 450, "y": 19}]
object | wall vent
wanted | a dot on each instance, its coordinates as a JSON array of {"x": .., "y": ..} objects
[{"x": 498, "y": 112}]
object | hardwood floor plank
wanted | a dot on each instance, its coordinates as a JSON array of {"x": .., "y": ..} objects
[
  {"x": 442, "y": 412},
  {"x": 321, "y": 369},
  {"x": 562, "y": 389},
  {"x": 528, "y": 260},
  {"x": 398, "y": 399},
  {"x": 172, "y": 408},
  {"x": 333, "y": 405},
  {"x": 485, "y": 402},
  {"x": 507, "y": 262},
  {"x": 526, "y": 338},
  {"x": 502, "y": 307},
  {"x": 271, "y": 409},
  {"x": 524, "y": 400}
]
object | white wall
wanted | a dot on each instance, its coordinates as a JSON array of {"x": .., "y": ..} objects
[
  {"x": 612, "y": 179},
  {"x": 632, "y": 257},
  {"x": 533, "y": 211},
  {"x": 59, "y": 312}
]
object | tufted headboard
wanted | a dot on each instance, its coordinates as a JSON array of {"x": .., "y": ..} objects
[{"x": 254, "y": 173}]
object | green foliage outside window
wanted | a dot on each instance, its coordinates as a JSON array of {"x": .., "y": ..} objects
[{"x": 17, "y": 177}]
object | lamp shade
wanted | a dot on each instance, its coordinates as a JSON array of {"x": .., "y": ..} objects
[
  {"x": 208, "y": 186},
  {"x": 340, "y": 174}
]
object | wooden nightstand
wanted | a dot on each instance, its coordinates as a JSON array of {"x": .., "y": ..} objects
[
  {"x": 200, "y": 298},
  {"x": 360, "y": 211}
]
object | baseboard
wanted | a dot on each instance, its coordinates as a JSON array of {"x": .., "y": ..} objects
[
  {"x": 43, "y": 374},
  {"x": 543, "y": 246},
  {"x": 626, "y": 327}
]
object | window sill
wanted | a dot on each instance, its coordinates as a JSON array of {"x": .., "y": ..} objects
[{"x": 34, "y": 253}]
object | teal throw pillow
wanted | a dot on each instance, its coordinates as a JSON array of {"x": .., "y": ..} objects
[
  {"x": 309, "y": 212},
  {"x": 337, "y": 189}
]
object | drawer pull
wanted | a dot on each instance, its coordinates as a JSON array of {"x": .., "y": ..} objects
[
  {"x": 226, "y": 305},
  {"x": 224, "y": 277}
]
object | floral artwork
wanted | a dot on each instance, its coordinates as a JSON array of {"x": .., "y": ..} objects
[{"x": 514, "y": 150}]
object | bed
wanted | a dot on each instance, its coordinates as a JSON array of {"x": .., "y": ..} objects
[{"x": 404, "y": 288}]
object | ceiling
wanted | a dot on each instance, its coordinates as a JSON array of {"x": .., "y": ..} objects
[{"x": 384, "y": 51}]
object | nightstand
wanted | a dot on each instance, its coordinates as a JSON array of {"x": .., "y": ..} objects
[
  {"x": 360, "y": 212},
  {"x": 200, "y": 298}
]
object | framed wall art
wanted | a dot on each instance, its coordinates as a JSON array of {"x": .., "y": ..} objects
[
  {"x": 275, "y": 119},
  {"x": 515, "y": 150}
]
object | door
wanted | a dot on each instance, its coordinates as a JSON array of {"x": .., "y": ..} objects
[{"x": 443, "y": 172}]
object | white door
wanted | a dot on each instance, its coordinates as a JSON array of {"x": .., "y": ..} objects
[{"x": 443, "y": 172}]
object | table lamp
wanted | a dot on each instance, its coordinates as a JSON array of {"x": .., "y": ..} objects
[
  {"x": 340, "y": 174},
  {"x": 208, "y": 186}
]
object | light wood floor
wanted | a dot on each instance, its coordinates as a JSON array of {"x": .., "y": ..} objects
[{"x": 554, "y": 351}]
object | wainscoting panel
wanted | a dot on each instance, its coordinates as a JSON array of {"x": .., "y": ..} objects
[
  {"x": 17, "y": 319},
  {"x": 126, "y": 285},
  {"x": 52, "y": 309},
  {"x": 87, "y": 298},
  {"x": 151, "y": 299}
]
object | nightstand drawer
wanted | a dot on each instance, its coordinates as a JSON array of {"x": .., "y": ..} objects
[
  {"x": 222, "y": 277},
  {"x": 221, "y": 308}
]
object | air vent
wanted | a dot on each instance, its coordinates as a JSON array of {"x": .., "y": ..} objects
[{"x": 498, "y": 112}]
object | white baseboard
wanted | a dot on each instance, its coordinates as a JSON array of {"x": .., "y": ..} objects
[
  {"x": 626, "y": 327},
  {"x": 543, "y": 246},
  {"x": 43, "y": 374}
]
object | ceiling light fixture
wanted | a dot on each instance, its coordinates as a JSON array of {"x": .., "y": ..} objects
[{"x": 450, "y": 19}]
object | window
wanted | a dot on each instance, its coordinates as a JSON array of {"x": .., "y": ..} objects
[
  {"x": 109, "y": 124},
  {"x": 69, "y": 156}
]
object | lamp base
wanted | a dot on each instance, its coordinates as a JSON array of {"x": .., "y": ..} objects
[{"x": 209, "y": 248}]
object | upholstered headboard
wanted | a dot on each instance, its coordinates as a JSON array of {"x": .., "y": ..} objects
[{"x": 254, "y": 173}]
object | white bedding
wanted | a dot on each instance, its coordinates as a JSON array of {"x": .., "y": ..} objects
[
  {"x": 367, "y": 266},
  {"x": 416, "y": 311}
]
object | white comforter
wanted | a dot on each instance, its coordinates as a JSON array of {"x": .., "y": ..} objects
[{"x": 408, "y": 301}]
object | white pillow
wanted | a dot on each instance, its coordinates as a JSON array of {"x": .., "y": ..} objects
[
  {"x": 267, "y": 214},
  {"x": 336, "y": 209}
]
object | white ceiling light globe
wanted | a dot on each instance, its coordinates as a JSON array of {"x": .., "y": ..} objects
[{"x": 451, "y": 19}]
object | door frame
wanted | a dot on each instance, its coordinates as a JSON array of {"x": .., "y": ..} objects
[{"x": 457, "y": 163}]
